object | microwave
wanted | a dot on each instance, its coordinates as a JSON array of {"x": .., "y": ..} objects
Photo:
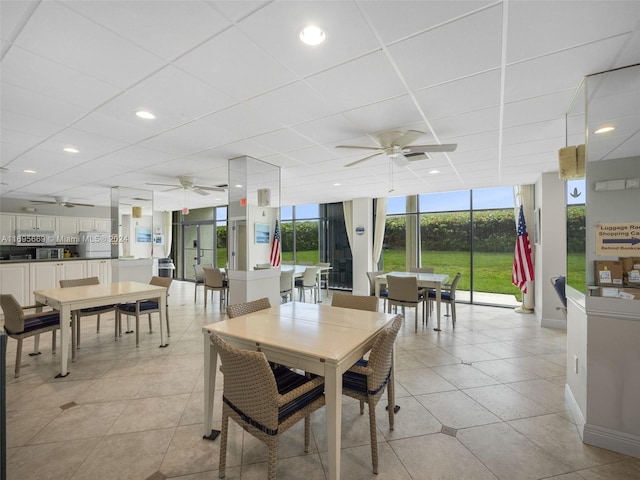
[
  {"x": 35, "y": 238},
  {"x": 49, "y": 253}
]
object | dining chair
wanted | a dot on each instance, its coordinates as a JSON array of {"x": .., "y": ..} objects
[
  {"x": 324, "y": 277},
  {"x": 447, "y": 296},
  {"x": 421, "y": 270},
  {"x": 199, "y": 278},
  {"x": 76, "y": 315},
  {"x": 143, "y": 307},
  {"x": 214, "y": 281},
  {"x": 309, "y": 281},
  {"x": 404, "y": 292},
  {"x": 367, "y": 380},
  {"x": 384, "y": 293},
  {"x": 240, "y": 309},
  {"x": 286, "y": 285},
  {"x": 19, "y": 325},
  {"x": 264, "y": 402},
  {"x": 357, "y": 302}
]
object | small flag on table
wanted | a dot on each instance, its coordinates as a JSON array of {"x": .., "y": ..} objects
[
  {"x": 275, "y": 247},
  {"x": 522, "y": 264}
]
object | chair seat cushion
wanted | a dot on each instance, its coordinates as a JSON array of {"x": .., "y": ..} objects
[
  {"x": 96, "y": 310},
  {"x": 384, "y": 293},
  {"x": 144, "y": 306},
  {"x": 445, "y": 295},
  {"x": 358, "y": 382},
  {"x": 288, "y": 380},
  {"x": 35, "y": 323}
]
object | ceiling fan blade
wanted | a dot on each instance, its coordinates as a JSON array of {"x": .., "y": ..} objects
[
  {"x": 43, "y": 202},
  {"x": 74, "y": 204},
  {"x": 209, "y": 189},
  {"x": 358, "y": 147},
  {"x": 445, "y": 147},
  {"x": 164, "y": 185},
  {"x": 200, "y": 191},
  {"x": 408, "y": 137},
  {"x": 363, "y": 159}
]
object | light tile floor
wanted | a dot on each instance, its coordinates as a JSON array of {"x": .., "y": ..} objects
[{"x": 485, "y": 401}]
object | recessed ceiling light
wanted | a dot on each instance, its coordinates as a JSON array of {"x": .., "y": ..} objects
[
  {"x": 604, "y": 130},
  {"x": 238, "y": 186},
  {"x": 312, "y": 35},
  {"x": 433, "y": 172},
  {"x": 146, "y": 115},
  {"x": 71, "y": 150},
  {"x": 29, "y": 170},
  {"x": 337, "y": 184}
]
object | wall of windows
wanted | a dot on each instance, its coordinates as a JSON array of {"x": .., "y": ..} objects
[{"x": 471, "y": 232}]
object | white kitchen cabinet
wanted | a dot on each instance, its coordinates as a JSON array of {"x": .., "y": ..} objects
[
  {"x": 45, "y": 275},
  {"x": 67, "y": 231},
  {"x": 100, "y": 269},
  {"x": 97, "y": 224},
  {"x": 35, "y": 222},
  {"x": 7, "y": 229},
  {"x": 14, "y": 279}
]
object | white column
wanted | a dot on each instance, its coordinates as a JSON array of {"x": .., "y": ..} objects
[{"x": 362, "y": 247}]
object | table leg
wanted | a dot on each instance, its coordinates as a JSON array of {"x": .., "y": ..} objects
[
  {"x": 318, "y": 287},
  {"x": 333, "y": 399},
  {"x": 65, "y": 331},
  {"x": 210, "y": 370},
  {"x": 438, "y": 297},
  {"x": 163, "y": 315}
]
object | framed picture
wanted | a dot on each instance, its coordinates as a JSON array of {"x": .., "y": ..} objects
[
  {"x": 158, "y": 239},
  {"x": 143, "y": 235},
  {"x": 536, "y": 226},
  {"x": 262, "y": 233}
]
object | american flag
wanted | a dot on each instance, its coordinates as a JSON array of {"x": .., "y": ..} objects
[
  {"x": 522, "y": 264},
  {"x": 275, "y": 247}
]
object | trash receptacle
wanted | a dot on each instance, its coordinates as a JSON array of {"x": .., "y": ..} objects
[{"x": 166, "y": 267}]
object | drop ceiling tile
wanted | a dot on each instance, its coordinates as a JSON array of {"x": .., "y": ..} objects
[
  {"x": 395, "y": 20},
  {"x": 244, "y": 121},
  {"x": 12, "y": 16},
  {"x": 361, "y": 81},
  {"x": 386, "y": 115},
  {"x": 283, "y": 140},
  {"x": 234, "y": 10},
  {"x": 169, "y": 30},
  {"x": 477, "y": 121},
  {"x": 89, "y": 144},
  {"x": 29, "y": 125},
  {"x": 535, "y": 131},
  {"x": 125, "y": 130},
  {"x": 465, "y": 47},
  {"x": 276, "y": 28},
  {"x": 566, "y": 69},
  {"x": 335, "y": 128},
  {"x": 537, "y": 109},
  {"x": 64, "y": 36},
  {"x": 26, "y": 70},
  {"x": 549, "y": 25},
  {"x": 229, "y": 63}
]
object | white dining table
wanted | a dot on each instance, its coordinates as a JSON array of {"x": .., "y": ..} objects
[
  {"x": 315, "y": 338},
  {"x": 298, "y": 271},
  {"x": 67, "y": 299},
  {"x": 427, "y": 280}
]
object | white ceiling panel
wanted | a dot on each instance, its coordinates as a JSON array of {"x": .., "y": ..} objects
[
  {"x": 172, "y": 29},
  {"x": 62, "y": 35},
  {"x": 385, "y": 115}
]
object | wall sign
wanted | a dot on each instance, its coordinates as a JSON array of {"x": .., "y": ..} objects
[
  {"x": 359, "y": 230},
  {"x": 618, "y": 239}
]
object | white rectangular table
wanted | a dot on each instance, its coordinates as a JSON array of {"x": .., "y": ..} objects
[
  {"x": 315, "y": 338},
  {"x": 65, "y": 300},
  {"x": 427, "y": 280}
]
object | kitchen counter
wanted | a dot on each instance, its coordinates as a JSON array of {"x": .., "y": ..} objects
[{"x": 34, "y": 260}]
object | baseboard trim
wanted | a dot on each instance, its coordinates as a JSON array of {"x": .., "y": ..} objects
[
  {"x": 576, "y": 413},
  {"x": 612, "y": 440},
  {"x": 553, "y": 323}
]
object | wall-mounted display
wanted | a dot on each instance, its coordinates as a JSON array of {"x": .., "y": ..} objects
[
  {"x": 143, "y": 235},
  {"x": 262, "y": 233}
]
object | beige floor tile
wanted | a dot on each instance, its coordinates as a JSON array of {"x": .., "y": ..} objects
[
  {"x": 623, "y": 470},
  {"x": 150, "y": 414},
  {"x": 456, "y": 409},
  {"x": 509, "y": 454},
  {"x": 434, "y": 357},
  {"x": 505, "y": 402},
  {"x": 172, "y": 383},
  {"x": 411, "y": 420},
  {"x": 51, "y": 394},
  {"x": 22, "y": 425},
  {"x": 112, "y": 389},
  {"x": 422, "y": 380},
  {"x": 439, "y": 457},
  {"x": 504, "y": 371},
  {"x": 560, "y": 438},
  {"x": 543, "y": 392},
  {"x": 469, "y": 353},
  {"x": 541, "y": 367},
  {"x": 355, "y": 464},
  {"x": 502, "y": 350},
  {"x": 464, "y": 376}
]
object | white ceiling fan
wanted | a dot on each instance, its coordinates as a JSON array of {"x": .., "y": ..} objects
[
  {"x": 188, "y": 184},
  {"x": 396, "y": 145},
  {"x": 63, "y": 201}
]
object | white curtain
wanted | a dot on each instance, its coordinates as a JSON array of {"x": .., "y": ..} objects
[
  {"x": 347, "y": 208},
  {"x": 168, "y": 233},
  {"x": 524, "y": 195},
  {"x": 381, "y": 221}
]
